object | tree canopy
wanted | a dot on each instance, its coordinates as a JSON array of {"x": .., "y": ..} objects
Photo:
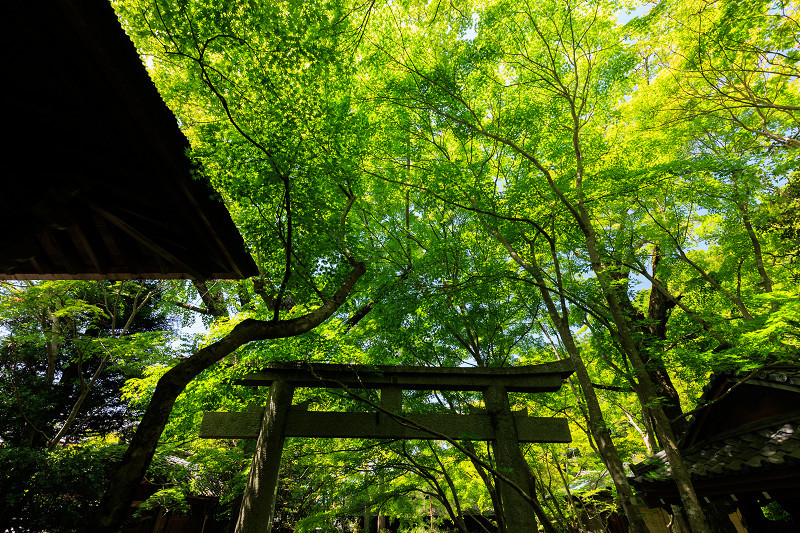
[{"x": 481, "y": 183}]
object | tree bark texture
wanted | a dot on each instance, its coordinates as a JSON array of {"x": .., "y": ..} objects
[
  {"x": 646, "y": 389},
  {"x": 596, "y": 420},
  {"x": 605, "y": 445},
  {"x": 651, "y": 331}
]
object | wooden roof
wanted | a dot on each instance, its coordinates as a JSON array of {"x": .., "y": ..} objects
[{"x": 97, "y": 184}]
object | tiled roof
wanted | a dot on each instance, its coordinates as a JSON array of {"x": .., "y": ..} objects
[
  {"x": 756, "y": 447},
  {"x": 769, "y": 444}
]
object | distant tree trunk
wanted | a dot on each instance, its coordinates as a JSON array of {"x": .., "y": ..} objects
[
  {"x": 213, "y": 300},
  {"x": 651, "y": 331},
  {"x": 766, "y": 281},
  {"x": 114, "y": 506}
]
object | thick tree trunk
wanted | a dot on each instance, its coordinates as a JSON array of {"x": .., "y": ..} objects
[
  {"x": 113, "y": 509},
  {"x": 651, "y": 331},
  {"x": 658, "y": 309},
  {"x": 766, "y": 281},
  {"x": 214, "y": 301}
]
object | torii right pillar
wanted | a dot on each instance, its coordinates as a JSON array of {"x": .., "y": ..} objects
[{"x": 519, "y": 514}]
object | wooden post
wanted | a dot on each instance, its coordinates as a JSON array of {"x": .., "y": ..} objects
[
  {"x": 519, "y": 513},
  {"x": 258, "y": 502}
]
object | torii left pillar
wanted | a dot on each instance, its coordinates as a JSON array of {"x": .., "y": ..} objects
[{"x": 258, "y": 502}]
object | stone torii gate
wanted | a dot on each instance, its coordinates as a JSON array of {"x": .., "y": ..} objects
[{"x": 281, "y": 419}]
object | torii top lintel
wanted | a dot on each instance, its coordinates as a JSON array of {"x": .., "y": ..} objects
[{"x": 546, "y": 377}]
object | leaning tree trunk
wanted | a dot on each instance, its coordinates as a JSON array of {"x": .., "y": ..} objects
[
  {"x": 597, "y": 424},
  {"x": 113, "y": 509},
  {"x": 645, "y": 389}
]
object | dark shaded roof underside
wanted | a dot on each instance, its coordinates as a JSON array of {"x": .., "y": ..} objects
[{"x": 98, "y": 184}]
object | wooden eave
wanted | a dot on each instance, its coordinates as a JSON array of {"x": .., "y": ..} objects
[
  {"x": 786, "y": 478},
  {"x": 745, "y": 405},
  {"x": 100, "y": 185}
]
